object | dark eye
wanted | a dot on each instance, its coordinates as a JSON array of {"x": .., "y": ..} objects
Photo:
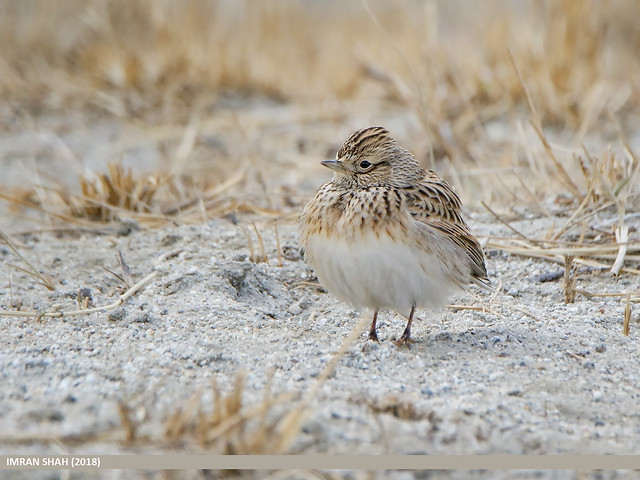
[{"x": 364, "y": 164}]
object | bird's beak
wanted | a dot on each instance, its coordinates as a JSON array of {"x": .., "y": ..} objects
[{"x": 335, "y": 165}]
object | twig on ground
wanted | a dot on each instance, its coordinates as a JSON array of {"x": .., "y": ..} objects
[
  {"x": 167, "y": 255},
  {"x": 635, "y": 297},
  {"x": 591, "y": 252},
  {"x": 74, "y": 313}
]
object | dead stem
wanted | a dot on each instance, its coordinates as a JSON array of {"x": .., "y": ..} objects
[
  {"x": 634, "y": 298},
  {"x": 74, "y": 313},
  {"x": 130, "y": 428},
  {"x": 557, "y": 255},
  {"x": 35, "y": 206},
  {"x": 245, "y": 230},
  {"x": 126, "y": 273},
  {"x": 45, "y": 280},
  {"x": 278, "y": 249},
  {"x": 536, "y": 123},
  {"x": 627, "y": 316},
  {"x": 622, "y": 237},
  {"x": 291, "y": 424},
  {"x": 263, "y": 254},
  {"x": 569, "y": 280},
  {"x": 504, "y": 222},
  {"x": 74, "y": 439}
]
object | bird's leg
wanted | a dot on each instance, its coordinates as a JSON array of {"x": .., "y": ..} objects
[
  {"x": 373, "y": 335},
  {"x": 405, "y": 339}
]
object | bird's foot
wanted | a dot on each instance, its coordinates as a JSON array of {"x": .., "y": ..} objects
[{"x": 404, "y": 341}]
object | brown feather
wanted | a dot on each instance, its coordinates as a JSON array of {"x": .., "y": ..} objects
[{"x": 433, "y": 202}]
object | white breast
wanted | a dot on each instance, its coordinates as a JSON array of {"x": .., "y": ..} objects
[{"x": 380, "y": 273}]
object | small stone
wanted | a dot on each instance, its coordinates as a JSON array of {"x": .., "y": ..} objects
[
  {"x": 117, "y": 315},
  {"x": 85, "y": 292},
  {"x": 295, "y": 309},
  {"x": 144, "y": 318},
  {"x": 589, "y": 365},
  {"x": 169, "y": 240},
  {"x": 46, "y": 415},
  {"x": 127, "y": 226}
]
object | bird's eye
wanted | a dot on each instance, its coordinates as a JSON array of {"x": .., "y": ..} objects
[{"x": 364, "y": 164}]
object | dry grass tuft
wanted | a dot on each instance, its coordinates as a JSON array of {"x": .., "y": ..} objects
[
  {"x": 228, "y": 427},
  {"x": 114, "y": 191},
  {"x": 609, "y": 183},
  {"x": 151, "y": 200},
  {"x": 397, "y": 407}
]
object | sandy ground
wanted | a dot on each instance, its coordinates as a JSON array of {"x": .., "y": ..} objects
[{"x": 531, "y": 375}]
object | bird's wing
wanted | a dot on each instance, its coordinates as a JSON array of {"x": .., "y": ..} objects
[{"x": 433, "y": 202}]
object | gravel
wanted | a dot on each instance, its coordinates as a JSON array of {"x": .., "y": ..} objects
[{"x": 531, "y": 375}]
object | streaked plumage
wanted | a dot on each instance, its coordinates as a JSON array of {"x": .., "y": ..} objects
[{"x": 385, "y": 233}]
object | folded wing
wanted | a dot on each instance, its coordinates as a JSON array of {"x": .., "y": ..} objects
[{"x": 433, "y": 202}]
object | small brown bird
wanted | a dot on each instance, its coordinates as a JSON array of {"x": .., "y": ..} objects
[{"x": 385, "y": 233}]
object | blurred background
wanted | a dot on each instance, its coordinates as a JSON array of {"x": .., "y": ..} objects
[{"x": 191, "y": 109}]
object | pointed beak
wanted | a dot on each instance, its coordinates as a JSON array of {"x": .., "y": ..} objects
[{"x": 335, "y": 165}]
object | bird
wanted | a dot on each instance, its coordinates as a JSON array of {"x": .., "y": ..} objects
[{"x": 387, "y": 234}]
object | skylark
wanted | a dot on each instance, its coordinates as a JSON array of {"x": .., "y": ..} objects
[{"x": 385, "y": 233}]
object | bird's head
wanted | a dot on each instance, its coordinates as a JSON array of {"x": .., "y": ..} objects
[{"x": 372, "y": 157}]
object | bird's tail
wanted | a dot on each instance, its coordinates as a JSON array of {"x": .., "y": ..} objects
[{"x": 483, "y": 282}]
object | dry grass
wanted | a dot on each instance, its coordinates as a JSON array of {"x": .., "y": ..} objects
[
  {"x": 509, "y": 97},
  {"x": 608, "y": 184},
  {"x": 43, "y": 278},
  {"x": 229, "y": 427},
  {"x": 449, "y": 58},
  {"x": 226, "y": 426},
  {"x": 569, "y": 68},
  {"x": 116, "y": 190},
  {"x": 451, "y": 63}
]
